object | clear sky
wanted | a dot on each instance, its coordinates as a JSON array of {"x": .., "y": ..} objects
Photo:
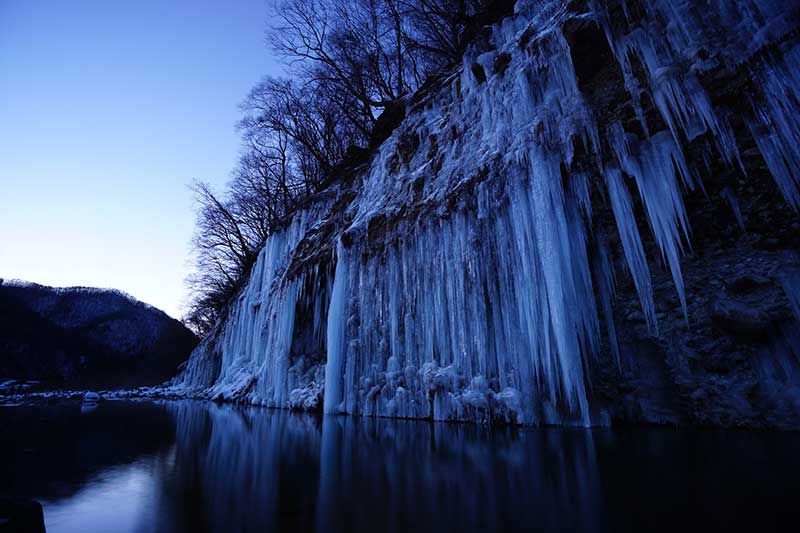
[{"x": 108, "y": 110}]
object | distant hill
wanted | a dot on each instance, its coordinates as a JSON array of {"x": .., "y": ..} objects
[{"x": 87, "y": 336}]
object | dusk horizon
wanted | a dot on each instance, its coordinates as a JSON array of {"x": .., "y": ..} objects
[{"x": 109, "y": 113}]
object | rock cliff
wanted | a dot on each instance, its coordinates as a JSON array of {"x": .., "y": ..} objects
[{"x": 593, "y": 219}]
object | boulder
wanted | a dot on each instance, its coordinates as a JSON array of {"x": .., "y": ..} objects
[{"x": 91, "y": 397}]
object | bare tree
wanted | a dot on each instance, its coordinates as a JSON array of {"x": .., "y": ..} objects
[
  {"x": 349, "y": 61},
  {"x": 225, "y": 249},
  {"x": 315, "y": 124},
  {"x": 359, "y": 47}
]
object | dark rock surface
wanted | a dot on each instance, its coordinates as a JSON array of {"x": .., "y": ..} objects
[
  {"x": 735, "y": 362},
  {"x": 86, "y": 337},
  {"x": 21, "y": 516}
]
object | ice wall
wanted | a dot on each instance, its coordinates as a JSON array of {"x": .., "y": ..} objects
[
  {"x": 472, "y": 281},
  {"x": 248, "y": 355}
]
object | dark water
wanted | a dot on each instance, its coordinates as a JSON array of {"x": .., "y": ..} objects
[{"x": 191, "y": 466}]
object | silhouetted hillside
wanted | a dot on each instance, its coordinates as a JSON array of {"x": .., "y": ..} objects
[{"x": 83, "y": 336}]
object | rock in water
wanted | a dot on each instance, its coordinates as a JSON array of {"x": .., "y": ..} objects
[{"x": 91, "y": 397}]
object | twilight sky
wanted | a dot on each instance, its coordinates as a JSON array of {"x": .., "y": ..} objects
[{"x": 108, "y": 110}]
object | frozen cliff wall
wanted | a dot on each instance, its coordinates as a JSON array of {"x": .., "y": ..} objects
[{"x": 484, "y": 264}]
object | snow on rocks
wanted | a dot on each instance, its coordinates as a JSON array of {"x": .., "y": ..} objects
[{"x": 91, "y": 397}]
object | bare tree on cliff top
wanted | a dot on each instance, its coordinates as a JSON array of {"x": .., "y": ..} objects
[{"x": 349, "y": 60}]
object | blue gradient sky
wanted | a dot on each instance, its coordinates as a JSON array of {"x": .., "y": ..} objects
[{"x": 108, "y": 110}]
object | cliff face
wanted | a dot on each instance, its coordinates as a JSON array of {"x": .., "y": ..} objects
[
  {"x": 88, "y": 337},
  {"x": 593, "y": 219}
]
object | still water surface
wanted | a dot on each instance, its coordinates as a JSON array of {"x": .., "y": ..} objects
[{"x": 193, "y": 466}]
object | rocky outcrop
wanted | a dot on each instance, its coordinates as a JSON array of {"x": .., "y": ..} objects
[
  {"x": 594, "y": 219},
  {"x": 87, "y": 337},
  {"x": 17, "y": 516}
]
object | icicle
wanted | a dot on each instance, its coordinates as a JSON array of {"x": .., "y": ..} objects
[
  {"x": 776, "y": 125},
  {"x": 604, "y": 276},
  {"x": 791, "y": 286},
  {"x": 657, "y": 164},
  {"x": 337, "y": 320},
  {"x": 622, "y": 207},
  {"x": 579, "y": 189},
  {"x": 730, "y": 196},
  {"x": 556, "y": 249},
  {"x": 480, "y": 298}
]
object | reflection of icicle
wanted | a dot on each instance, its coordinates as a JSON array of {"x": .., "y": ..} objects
[{"x": 330, "y": 473}]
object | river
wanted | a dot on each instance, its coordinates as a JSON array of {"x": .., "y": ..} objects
[{"x": 194, "y": 466}]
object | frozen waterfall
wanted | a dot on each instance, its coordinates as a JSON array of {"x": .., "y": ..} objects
[{"x": 465, "y": 278}]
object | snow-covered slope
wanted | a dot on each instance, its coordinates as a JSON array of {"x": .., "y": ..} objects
[
  {"x": 81, "y": 334},
  {"x": 469, "y": 272}
]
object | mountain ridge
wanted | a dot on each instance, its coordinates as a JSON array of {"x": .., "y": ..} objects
[{"x": 87, "y": 336}]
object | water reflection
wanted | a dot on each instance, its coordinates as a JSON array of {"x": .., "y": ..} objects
[
  {"x": 250, "y": 471},
  {"x": 227, "y": 468},
  {"x": 454, "y": 478},
  {"x": 111, "y": 501}
]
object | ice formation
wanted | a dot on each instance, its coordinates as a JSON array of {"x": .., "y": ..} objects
[
  {"x": 470, "y": 282},
  {"x": 258, "y": 332}
]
